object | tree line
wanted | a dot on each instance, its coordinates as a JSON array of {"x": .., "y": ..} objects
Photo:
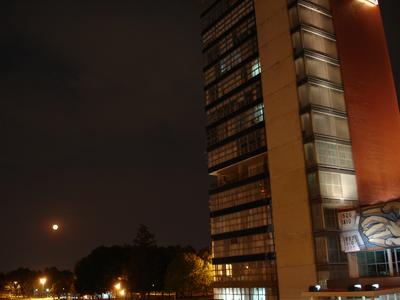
[{"x": 140, "y": 267}]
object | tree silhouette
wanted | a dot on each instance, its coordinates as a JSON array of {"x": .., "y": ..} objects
[{"x": 144, "y": 238}]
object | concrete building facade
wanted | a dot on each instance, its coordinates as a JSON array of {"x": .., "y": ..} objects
[{"x": 302, "y": 124}]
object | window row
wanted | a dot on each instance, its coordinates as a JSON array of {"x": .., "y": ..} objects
[
  {"x": 248, "y": 271},
  {"x": 240, "y": 195},
  {"x": 321, "y": 96},
  {"x": 253, "y": 167},
  {"x": 379, "y": 263},
  {"x": 332, "y": 185},
  {"x": 246, "y": 245},
  {"x": 236, "y": 36},
  {"x": 323, "y": 3},
  {"x": 246, "y": 219},
  {"x": 324, "y": 218},
  {"x": 308, "y": 39},
  {"x": 328, "y": 251},
  {"x": 235, "y": 102},
  {"x": 233, "y": 81},
  {"x": 231, "y": 60},
  {"x": 235, "y": 125},
  {"x": 243, "y": 9},
  {"x": 220, "y": 8},
  {"x": 240, "y": 294},
  {"x": 316, "y": 67},
  {"x": 329, "y": 154},
  {"x": 302, "y": 14},
  {"x": 242, "y": 146},
  {"x": 324, "y": 124}
]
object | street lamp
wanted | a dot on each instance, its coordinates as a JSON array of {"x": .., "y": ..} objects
[
  {"x": 42, "y": 281},
  {"x": 117, "y": 286}
]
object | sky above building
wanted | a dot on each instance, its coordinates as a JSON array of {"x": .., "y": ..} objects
[{"x": 102, "y": 126}]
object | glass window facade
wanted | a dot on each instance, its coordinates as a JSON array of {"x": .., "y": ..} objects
[
  {"x": 327, "y": 142},
  {"x": 242, "y": 10},
  {"x": 231, "y": 60},
  {"x": 239, "y": 200},
  {"x": 332, "y": 185},
  {"x": 321, "y": 96},
  {"x": 311, "y": 39},
  {"x": 258, "y": 271},
  {"x": 378, "y": 263},
  {"x": 329, "y": 154},
  {"x": 307, "y": 15},
  {"x": 318, "y": 68},
  {"x": 250, "y": 218},
  {"x": 245, "y": 245},
  {"x": 239, "y": 123},
  {"x": 240, "y": 33},
  {"x": 325, "y": 125},
  {"x": 235, "y": 150},
  {"x": 233, "y": 81},
  {"x": 240, "y": 293},
  {"x": 240, "y": 195},
  {"x": 218, "y": 10},
  {"x": 246, "y": 97}
]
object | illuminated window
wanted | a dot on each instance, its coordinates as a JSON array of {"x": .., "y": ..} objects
[
  {"x": 240, "y": 293},
  {"x": 228, "y": 269},
  {"x": 255, "y": 68}
]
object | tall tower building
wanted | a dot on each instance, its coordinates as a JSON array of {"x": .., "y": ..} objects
[{"x": 303, "y": 130}]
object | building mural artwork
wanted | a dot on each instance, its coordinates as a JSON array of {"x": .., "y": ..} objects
[{"x": 370, "y": 228}]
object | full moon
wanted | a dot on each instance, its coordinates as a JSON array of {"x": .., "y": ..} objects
[{"x": 55, "y": 227}]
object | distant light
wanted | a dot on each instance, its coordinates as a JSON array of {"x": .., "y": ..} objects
[
  {"x": 372, "y": 287},
  {"x": 370, "y": 2},
  {"x": 47, "y": 290},
  {"x": 355, "y": 287},
  {"x": 314, "y": 288},
  {"x": 122, "y": 292},
  {"x": 43, "y": 280},
  {"x": 55, "y": 227},
  {"x": 117, "y": 286}
]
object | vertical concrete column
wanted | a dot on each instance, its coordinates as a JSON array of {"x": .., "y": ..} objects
[
  {"x": 290, "y": 202},
  {"x": 353, "y": 265}
]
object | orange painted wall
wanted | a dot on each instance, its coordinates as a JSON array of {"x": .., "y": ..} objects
[{"x": 371, "y": 99}]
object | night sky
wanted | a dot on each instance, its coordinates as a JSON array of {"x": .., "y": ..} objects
[{"x": 102, "y": 126}]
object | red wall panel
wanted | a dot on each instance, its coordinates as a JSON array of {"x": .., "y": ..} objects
[{"x": 371, "y": 99}]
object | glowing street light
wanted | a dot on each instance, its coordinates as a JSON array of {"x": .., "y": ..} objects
[
  {"x": 117, "y": 286},
  {"x": 122, "y": 292},
  {"x": 43, "y": 280}
]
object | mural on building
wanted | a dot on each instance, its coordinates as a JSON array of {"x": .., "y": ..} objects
[{"x": 370, "y": 228}]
